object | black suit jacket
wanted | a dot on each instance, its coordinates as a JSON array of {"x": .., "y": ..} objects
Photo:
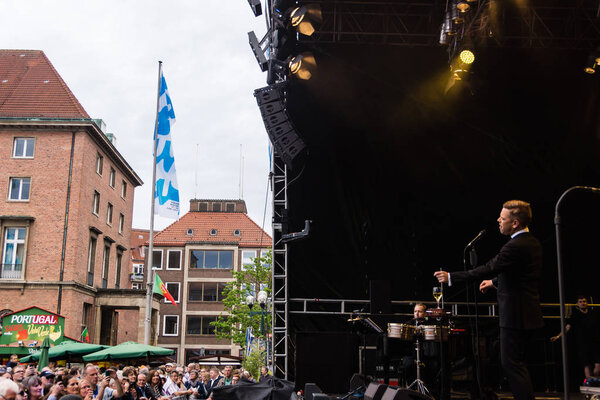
[{"x": 518, "y": 267}]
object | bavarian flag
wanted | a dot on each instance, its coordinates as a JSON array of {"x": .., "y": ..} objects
[{"x": 160, "y": 288}]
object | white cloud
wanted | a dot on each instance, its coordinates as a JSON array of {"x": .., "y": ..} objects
[{"x": 107, "y": 52}]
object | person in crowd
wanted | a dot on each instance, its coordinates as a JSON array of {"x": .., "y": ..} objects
[
  {"x": 155, "y": 385},
  {"x": 215, "y": 377},
  {"x": 85, "y": 389},
  {"x": 584, "y": 326},
  {"x": 18, "y": 374},
  {"x": 9, "y": 389},
  {"x": 515, "y": 272},
  {"x": 264, "y": 374},
  {"x": 235, "y": 378},
  {"x": 13, "y": 362},
  {"x": 47, "y": 378},
  {"x": 142, "y": 384},
  {"x": 30, "y": 370},
  {"x": 75, "y": 371},
  {"x": 71, "y": 384},
  {"x": 91, "y": 374},
  {"x": 225, "y": 376},
  {"x": 129, "y": 378},
  {"x": 195, "y": 385},
  {"x": 33, "y": 388},
  {"x": 205, "y": 377},
  {"x": 174, "y": 388}
]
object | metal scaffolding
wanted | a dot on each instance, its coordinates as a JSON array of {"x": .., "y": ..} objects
[{"x": 281, "y": 340}]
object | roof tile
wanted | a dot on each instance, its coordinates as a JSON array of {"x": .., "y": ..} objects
[
  {"x": 31, "y": 87},
  {"x": 251, "y": 235}
]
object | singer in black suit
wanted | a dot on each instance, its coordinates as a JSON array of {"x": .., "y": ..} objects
[{"x": 515, "y": 272}]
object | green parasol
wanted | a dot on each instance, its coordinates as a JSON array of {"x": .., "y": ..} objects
[
  {"x": 70, "y": 351},
  {"x": 44, "y": 360},
  {"x": 129, "y": 350}
]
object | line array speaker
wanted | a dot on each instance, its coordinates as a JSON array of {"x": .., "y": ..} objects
[{"x": 281, "y": 131}]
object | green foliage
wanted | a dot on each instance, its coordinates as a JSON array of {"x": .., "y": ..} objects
[
  {"x": 237, "y": 317},
  {"x": 253, "y": 362}
]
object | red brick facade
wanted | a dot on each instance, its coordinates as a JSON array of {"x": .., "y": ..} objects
[{"x": 63, "y": 181}]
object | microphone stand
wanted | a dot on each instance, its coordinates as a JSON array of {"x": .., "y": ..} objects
[{"x": 474, "y": 340}]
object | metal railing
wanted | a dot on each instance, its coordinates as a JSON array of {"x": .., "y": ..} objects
[{"x": 11, "y": 271}]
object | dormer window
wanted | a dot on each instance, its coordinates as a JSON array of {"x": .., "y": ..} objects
[
  {"x": 237, "y": 232},
  {"x": 213, "y": 232},
  {"x": 190, "y": 232}
]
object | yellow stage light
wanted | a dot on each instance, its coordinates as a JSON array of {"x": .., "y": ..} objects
[{"x": 467, "y": 56}]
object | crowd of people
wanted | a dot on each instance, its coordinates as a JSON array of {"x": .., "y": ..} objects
[{"x": 167, "y": 382}]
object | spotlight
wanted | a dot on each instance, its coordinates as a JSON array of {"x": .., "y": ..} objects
[
  {"x": 462, "y": 6},
  {"x": 303, "y": 65},
  {"x": 304, "y": 18},
  {"x": 455, "y": 15},
  {"x": 592, "y": 63},
  {"x": 256, "y": 7},
  {"x": 467, "y": 56}
]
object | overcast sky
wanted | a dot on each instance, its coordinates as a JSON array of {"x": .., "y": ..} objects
[{"x": 107, "y": 51}]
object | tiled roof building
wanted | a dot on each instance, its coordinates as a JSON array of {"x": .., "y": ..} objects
[
  {"x": 195, "y": 257},
  {"x": 66, "y": 204}
]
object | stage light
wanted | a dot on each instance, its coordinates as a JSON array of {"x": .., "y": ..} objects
[
  {"x": 455, "y": 15},
  {"x": 467, "y": 56},
  {"x": 256, "y": 7},
  {"x": 462, "y": 6},
  {"x": 304, "y": 18},
  {"x": 592, "y": 63},
  {"x": 303, "y": 65}
]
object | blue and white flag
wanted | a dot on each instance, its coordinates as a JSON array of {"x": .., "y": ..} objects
[
  {"x": 166, "y": 195},
  {"x": 249, "y": 340}
]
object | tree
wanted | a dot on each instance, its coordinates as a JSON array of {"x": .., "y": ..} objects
[{"x": 237, "y": 317}]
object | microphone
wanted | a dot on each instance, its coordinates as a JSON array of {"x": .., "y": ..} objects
[{"x": 476, "y": 238}]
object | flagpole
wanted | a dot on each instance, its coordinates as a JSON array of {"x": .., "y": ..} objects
[{"x": 149, "y": 270}]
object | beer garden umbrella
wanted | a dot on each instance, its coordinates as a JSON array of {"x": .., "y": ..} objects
[
  {"x": 68, "y": 350},
  {"x": 44, "y": 361},
  {"x": 129, "y": 351}
]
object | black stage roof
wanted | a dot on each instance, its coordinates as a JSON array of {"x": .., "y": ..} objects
[{"x": 401, "y": 175}]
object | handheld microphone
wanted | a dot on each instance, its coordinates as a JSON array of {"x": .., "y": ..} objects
[{"x": 476, "y": 238}]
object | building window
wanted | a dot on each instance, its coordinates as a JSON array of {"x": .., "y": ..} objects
[
  {"x": 157, "y": 259},
  {"x": 121, "y": 222},
  {"x": 86, "y": 316},
  {"x": 200, "y": 325},
  {"x": 19, "y": 189},
  {"x": 23, "y": 147},
  {"x": 174, "y": 259},
  {"x": 211, "y": 259},
  {"x": 109, "y": 214},
  {"x": 136, "y": 285},
  {"x": 230, "y": 207},
  {"x": 91, "y": 259},
  {"x": 118, "y": 267},
  {"x": 213, "y": 232},
  {"x": 138, "y": 269},
  {"x": 13, "y": 253},
  {"x": 171, "y": 325},
  {"x": 105, "y": 265},
  {"x": 99, "y": 162},
  {"x": 217, "y": 207},
  {"x": 123, "y": 189},
  {"x": 96, "y": 205},
  {"x": 202, "y": 206},
  {"x": 111, "y": 177},
  {"x": 206, "y": 291},
  {"x": 173, "y": 288},
  {"x": 190, "y": 232},
  {"x": 248, "y": 258},
  {"x": 236, "y": 232}
]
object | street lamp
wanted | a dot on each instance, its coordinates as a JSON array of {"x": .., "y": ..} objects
[{"x": 262, "y": 301}]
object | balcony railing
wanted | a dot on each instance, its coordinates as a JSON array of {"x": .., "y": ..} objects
[
  {"x": 11, "y": 271},
  {"x": 136, "y": 277}
]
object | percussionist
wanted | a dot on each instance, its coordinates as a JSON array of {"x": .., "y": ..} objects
[{"x": 431, "y": 373}]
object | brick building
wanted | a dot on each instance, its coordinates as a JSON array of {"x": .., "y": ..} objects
[
  {"x": 66, "y": 200},
  {"x": 195, "y": 257}
]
